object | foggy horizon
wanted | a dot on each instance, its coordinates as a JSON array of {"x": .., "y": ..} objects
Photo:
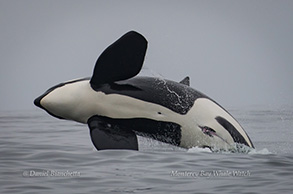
[{"x": 237, "y": 53}]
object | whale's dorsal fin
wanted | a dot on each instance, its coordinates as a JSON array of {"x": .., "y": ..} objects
[
  {"x": 185, "y": 81},
  {"x": 121, "y": 60}
]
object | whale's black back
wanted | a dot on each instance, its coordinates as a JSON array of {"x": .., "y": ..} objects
[{"x": 172, "y": 95}]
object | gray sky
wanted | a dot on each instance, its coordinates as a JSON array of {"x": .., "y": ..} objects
[{"x": 240, "y": 53}]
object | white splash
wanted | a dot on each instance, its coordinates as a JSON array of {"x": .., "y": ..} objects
[
  {"x": 198, "y": 150},
  {"x": 263, "y": 151}
]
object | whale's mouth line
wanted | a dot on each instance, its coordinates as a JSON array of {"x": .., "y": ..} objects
[
  {"x": 210, "y": 132},
  {"x": 37, "y": 102}
]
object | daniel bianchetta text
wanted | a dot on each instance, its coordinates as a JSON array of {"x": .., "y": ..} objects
[
  {"x": 50, "y": 173},
  {"x": 212, "y": 173}
]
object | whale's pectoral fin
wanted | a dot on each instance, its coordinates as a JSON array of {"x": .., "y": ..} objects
[
  {"x": 121, "y": 60},
  {"x": 107, "y": 136},
  {"x": 185, "y": 81}
]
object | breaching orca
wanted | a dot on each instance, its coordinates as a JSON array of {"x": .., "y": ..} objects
[{"x": 117, "y": 105}]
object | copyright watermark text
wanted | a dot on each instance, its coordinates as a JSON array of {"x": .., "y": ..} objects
[
  {"x": 211, "y": 173},
  {"x": 50, "y": 173}
]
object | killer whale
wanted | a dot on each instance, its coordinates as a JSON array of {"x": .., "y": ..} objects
[{"x": 117, "y": 105}]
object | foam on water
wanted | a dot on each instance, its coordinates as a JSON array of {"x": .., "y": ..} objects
[
  {"x": 263, "y": 151},
  {"x": 199, "y": 150},
  {"x": 147, "y": 144}
]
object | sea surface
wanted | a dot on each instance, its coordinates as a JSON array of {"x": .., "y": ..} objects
[{"x": 41, "y": 154}]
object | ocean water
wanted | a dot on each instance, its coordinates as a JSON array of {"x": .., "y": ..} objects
[{"x": 41, "y": 154}]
